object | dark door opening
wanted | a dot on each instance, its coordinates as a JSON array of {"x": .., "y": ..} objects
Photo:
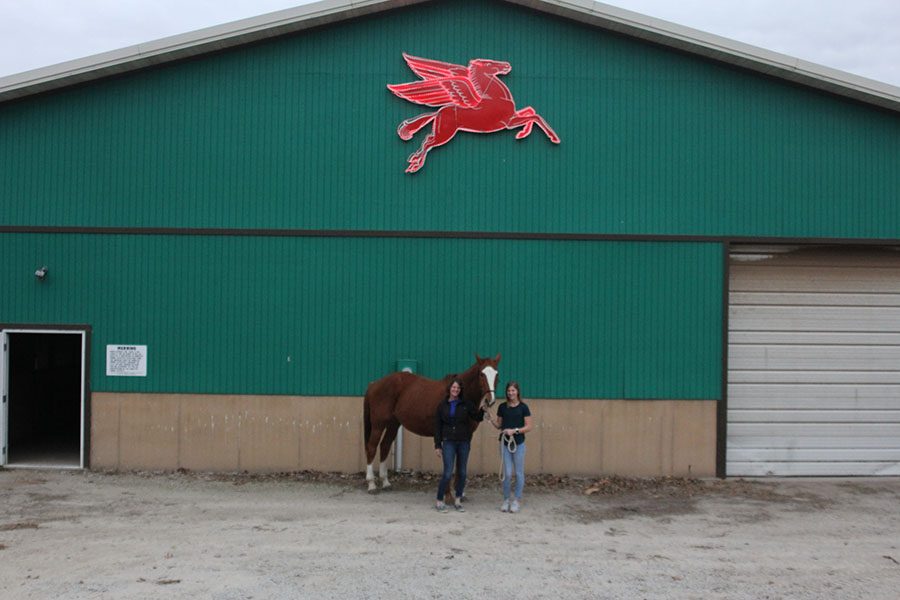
[{"x": 45, "y": 399}]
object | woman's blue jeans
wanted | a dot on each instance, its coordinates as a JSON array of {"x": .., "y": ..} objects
[
  {"x": 513, "y": 462},
  {"x": 454, "y": 452}
]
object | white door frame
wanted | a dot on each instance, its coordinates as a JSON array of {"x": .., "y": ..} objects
[{"x": 4, "y": 388}]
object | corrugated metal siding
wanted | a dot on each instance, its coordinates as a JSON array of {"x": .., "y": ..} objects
[
  {"x": 323, "y": 316},
  {"x": 814, "y": 344},
  {"x": 299, "y": 133}
]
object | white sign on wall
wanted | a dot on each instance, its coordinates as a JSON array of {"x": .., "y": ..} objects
[{"x": 126, "y": 361}]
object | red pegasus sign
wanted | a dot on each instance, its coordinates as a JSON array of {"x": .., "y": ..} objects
[{"x": 471, "y": 99}]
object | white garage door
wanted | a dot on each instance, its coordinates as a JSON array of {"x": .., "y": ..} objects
[{"x": 814, "y": 361}]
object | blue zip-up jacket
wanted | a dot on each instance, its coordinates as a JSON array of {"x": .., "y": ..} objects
[{"x": 457, "y": 428}]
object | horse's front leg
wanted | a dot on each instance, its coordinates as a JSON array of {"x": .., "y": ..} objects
[
  {"x": 370, "y": 479},
  {"x": 525, "y": 131},
  {"x": 527, "y": 117}
]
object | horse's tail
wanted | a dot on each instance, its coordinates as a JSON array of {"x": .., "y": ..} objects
[{"x": 367, "y": 419}]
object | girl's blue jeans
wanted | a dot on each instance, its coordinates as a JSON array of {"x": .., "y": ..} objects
[{"x": 513, "y": 462}]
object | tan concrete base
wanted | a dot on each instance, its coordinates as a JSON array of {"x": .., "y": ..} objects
[
  {"x": 290, "y": 433},
  {"x": 633, "y": 438}
]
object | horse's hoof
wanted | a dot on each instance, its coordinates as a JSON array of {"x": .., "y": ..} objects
[{"x": 373, "y": 490}]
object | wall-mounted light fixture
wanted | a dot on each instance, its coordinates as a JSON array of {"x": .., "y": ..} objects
[{"x": 41, "y": 273}]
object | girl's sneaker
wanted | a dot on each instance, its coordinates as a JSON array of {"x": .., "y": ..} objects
[
  {"x": 505, "y": 506},
  {"x": 440, "y": 506},
  {"x": 458, "y": 506},
  {"x": 514, "y": 507}
]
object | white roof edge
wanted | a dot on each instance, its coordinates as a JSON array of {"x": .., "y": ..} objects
[
  {"x": 722, "y": 49},
  {"x": 589, "y": 12},
  {"x": 201, "y": 41}
]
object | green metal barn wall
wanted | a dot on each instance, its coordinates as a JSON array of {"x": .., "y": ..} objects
[
  {"x": 224, "y": 314},
  {"x": 299, "y": 133}
]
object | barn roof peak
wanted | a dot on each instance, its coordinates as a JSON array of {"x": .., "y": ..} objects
[{"x": 596, "y": 14}]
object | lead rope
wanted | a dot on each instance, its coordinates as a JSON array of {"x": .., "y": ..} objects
[
  {"x": 510, "y": 442},
  {"x": 489, "y": 417}
]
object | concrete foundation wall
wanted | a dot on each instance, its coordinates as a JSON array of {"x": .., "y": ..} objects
[{"x": 289, "y": 433}]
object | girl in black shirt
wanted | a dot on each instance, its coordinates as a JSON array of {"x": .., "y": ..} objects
[{"x": 514, "y": 419}]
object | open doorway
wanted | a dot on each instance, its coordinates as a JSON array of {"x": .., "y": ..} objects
[{"x": 44, "y": 381}]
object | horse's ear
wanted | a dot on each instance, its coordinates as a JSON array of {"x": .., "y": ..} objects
[
  {"x": 498, "y": 358},
  {"x": 477, "y": 358}
]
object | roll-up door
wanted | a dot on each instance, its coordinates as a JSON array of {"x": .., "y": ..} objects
[{"x": 814, "y": 361}]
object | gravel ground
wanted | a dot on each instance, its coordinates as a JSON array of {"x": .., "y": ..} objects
[{"x": 73, "y": 534}]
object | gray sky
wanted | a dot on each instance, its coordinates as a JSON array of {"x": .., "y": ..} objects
[{"x": 859, "y": 36}]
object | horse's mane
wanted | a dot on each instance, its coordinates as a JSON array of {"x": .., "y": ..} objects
[
  {"x": 460, "y": 376},
  {"x": 467, "y": 394}
]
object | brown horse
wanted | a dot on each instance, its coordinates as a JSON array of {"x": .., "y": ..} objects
[{"x": 411, "y": 401}]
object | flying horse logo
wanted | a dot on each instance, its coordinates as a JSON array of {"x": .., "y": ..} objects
[{"x": 471, "y": 99}]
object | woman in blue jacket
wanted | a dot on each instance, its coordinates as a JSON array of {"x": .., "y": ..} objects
[{"x": 453, "y": 425}]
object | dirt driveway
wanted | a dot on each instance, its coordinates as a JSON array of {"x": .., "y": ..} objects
[{"x": 70, "y": 534}]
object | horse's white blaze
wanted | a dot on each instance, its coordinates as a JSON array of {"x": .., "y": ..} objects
[{"x": 490, "y": 374}]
